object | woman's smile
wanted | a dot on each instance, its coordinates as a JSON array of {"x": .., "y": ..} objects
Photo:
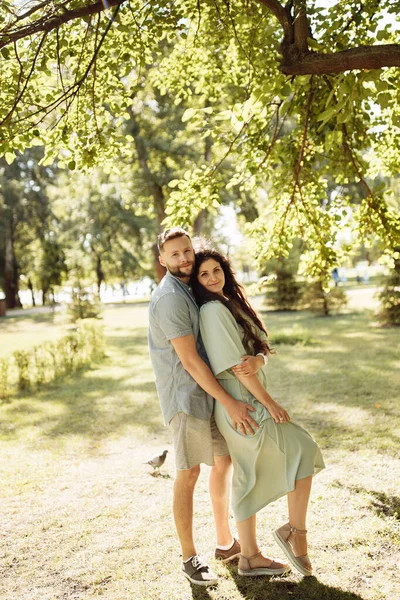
[{"x": 211, "y": 276}]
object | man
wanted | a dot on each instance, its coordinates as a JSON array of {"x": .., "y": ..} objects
[{"x": 186, "y": 388}]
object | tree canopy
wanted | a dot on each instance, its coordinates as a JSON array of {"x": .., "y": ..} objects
[{"x": 300, "y": 100}]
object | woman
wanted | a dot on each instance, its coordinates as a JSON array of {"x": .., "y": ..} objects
[{"x": 281, "y": 457}]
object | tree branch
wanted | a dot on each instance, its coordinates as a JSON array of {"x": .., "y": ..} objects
[
  {"x": 46, "y": 24},
  {"x": 297, "y": 59},
  {"x": 363, "y": 57},
  {"x": 280, "y": 12},
  {"x": 301, "y": 26}
]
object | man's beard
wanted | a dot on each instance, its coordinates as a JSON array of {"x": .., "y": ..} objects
[{"x": 181, "y": 274}]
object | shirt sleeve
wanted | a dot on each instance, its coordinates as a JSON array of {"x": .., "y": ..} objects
[
  {"x": 173, "y": 316},
  {"x": 221, "y": 337}
]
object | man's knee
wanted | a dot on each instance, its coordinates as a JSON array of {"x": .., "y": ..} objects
[{"x": 188, "y": 477}]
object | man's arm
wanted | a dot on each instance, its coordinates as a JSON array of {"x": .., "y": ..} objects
[
  {"x": 255, "y": 387},
  {"x": 185, "y": 347}
]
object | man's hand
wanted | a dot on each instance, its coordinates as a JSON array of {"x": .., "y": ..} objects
[
  {"x": 250, "y": 365},
  {"x": 241, "y": 420}
]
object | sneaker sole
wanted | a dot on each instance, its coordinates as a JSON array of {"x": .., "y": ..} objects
[
  {"x": 197, "y": 582},
  {"x": 286, "y": 549}
]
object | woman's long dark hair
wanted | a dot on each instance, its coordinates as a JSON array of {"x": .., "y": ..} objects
[{"x": 234, "y": 299}]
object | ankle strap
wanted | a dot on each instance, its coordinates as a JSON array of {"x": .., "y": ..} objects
[
  {"x": 295, "y": 530},
  {"x": 249, "y": 558}
]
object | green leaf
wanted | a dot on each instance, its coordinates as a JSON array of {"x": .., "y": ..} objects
[
  {"x": 71, "y": 165},
  {"x": 327, "y": 114},
  {"x": 284, "y": 107},
  {"x": 314, "y": 44},
  {"x": 285, "y": 91},
  {"x": 5, "y": 53},
  {"x": 10, "y": 157},
  {"x": 384, "y": 99},
  {"x": 173, "y": 183},
  {"x": 224, "y": 115},
  {"x": 188, "y": 114}
]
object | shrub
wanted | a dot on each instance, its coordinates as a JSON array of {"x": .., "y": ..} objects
[
  {"x": 22, "y": 361},
  {"x": 41, "y": 365},
  {"x": 297, "y": 336},
  {"x": 83, "y": 305},
  {"x": 55, "y": 359},
  {"x": 4, "y": 369},
  {"x": 283, "y": 291},
  {"x": 390, "y": 297},
  {"x": 317, "y": 299}
]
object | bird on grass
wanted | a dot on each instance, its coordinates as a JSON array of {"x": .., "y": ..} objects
[{"x": 157, "y": 461}]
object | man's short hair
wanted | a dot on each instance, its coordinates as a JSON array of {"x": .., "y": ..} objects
[{"x": 170, "y": 234}]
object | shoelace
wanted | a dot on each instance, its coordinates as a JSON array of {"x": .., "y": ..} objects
[{"x": 197, "y": 562}]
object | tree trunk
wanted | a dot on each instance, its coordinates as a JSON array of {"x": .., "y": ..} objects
[
  {"x": 154, "y": 187},
  {"x": 198, "y": 224},
  {"x": 159, "y": 269},
  {"x": 99, "y": 274},
  {"x": 30, "y": 287},
  {"x": 10, "y": 269}
]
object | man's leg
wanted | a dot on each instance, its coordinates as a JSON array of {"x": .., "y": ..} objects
[
  {"x": 183, "y": 508},
  {"x": 219, "y": 485}
]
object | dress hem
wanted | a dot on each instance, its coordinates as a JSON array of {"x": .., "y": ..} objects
[{"x": 277, "y": 496}]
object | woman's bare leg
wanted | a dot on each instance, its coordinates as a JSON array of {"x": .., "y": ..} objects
[
  {"x": 248, "y": 542},
  {"x": 297, "y": 505},
  {"x": 219, "y": 485}
]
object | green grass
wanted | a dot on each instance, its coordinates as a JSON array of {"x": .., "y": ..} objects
[{"x": 82, "y": 517}]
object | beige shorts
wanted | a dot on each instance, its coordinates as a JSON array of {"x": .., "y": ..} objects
[{"x": 195, "y": 441}]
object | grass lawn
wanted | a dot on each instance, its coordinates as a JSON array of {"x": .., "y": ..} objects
[{"x": 82, "y": 517}]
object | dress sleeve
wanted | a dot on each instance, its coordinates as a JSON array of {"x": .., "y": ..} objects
[{"x": 221, "y": 337}]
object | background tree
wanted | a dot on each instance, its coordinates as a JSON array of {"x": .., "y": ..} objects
[
  {"x": 390, "y": 296},
  {"x": 28, "y": 242},
  {"x": 283, "y": 289},
  {"x": 104, "y": 233}
]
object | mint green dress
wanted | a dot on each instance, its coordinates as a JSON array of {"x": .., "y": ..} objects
[{"x": 266, "y": 465}]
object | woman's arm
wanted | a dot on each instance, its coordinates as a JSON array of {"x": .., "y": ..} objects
[{"x": 255, "y": 387}]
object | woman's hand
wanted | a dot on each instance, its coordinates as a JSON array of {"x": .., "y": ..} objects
[
  {"x": 250, "y": 365},
  {"x": 277, "y": 412}
]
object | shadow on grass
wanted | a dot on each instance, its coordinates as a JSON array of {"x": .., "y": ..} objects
[
  {"x": 355, "y": 366},
  {"x": 383, "y": 504},
  {"x": 308, "y": 588},
  {"x": 121, "y": 392},
  {"x": 387, "y": 505},
  {"x": 129, "y": 345},
  {"x": 201, "y": 593},
  {"x": 92, "y": 406}
]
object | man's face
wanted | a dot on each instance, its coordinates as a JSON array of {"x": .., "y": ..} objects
[{"x": 178, "y": 257}]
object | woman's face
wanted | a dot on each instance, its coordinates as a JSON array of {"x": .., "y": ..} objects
[{"x": 211, "y": 276}]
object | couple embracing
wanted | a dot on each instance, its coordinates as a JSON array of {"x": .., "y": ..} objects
[{"x": 209, "y": 350}]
